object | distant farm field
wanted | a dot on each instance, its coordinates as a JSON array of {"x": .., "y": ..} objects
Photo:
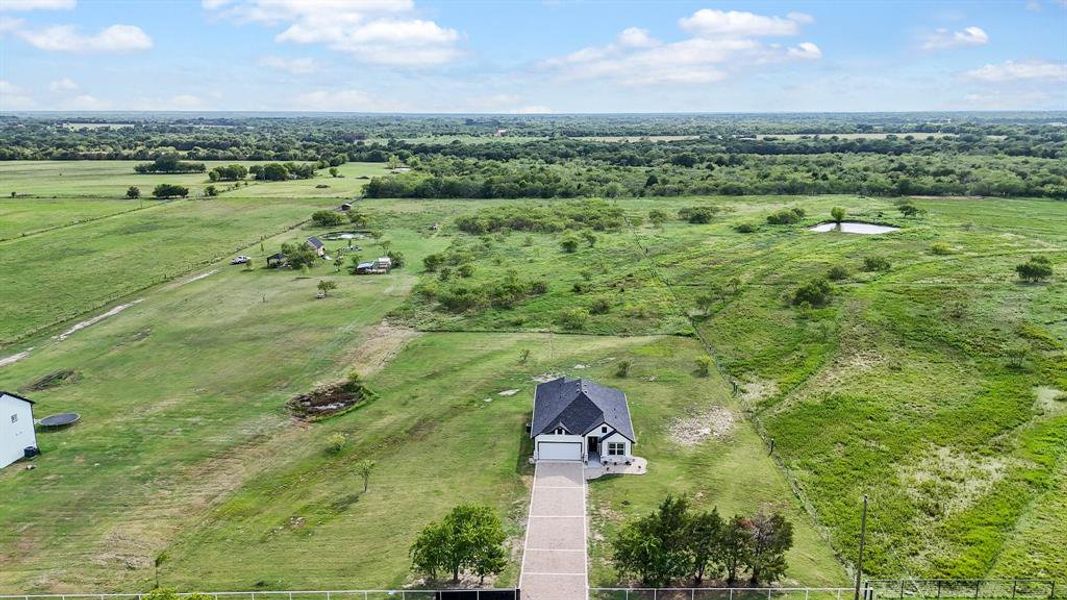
[
  {"x": 22, "y": 216},
  {"x": 110, "y": 179}
]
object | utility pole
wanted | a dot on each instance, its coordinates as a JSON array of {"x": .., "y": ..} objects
[{"x": 863, "y": 538}]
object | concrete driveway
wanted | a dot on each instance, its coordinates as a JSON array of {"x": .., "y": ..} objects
[{"x": 554, "y": 559}]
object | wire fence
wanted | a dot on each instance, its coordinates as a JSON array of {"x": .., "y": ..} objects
[
  {"x": 480, "y": 594},
  {"x": 887, "y": 589},
  {"x": 720, "y": 593}
]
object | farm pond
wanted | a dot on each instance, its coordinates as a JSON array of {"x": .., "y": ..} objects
[{"x": 854, "y": 227}]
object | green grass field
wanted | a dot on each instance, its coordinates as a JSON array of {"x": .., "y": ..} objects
[
  {"x": 900, "y": 388},
  {"x": 110, "y": 179}
]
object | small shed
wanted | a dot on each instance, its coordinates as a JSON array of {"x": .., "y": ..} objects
[
  {"x": 276, "y": 260},
  {"x": 16, "y": 428},
  {"x": 317, "y": 245}
]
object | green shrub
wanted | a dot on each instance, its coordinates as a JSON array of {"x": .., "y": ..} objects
[
  {"x": 940, "y": 249},
  {"x": 698, "y": 215},
  {"x": 335, "y": 443},
  {"x": 816, "y": 292},
  {"x": 573, "y": 318},
  {"x": 746, "y": 228},
  {"x": 786, "y": 216},
  {"x": 704, "y": 364},
  {"x": 1038, "y": 268},
  {"x": 600, "y": 306},
  {"x": 837, "y": 273},
  {"x": 327, "y": 218},
  {"x": 876, "y": 263}
]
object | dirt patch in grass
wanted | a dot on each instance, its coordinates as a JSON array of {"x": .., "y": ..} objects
[
  {"x": 51, "y": 380},
  {"x": 1050, "y": 401},
  {"x": 381, "y": 346},
  {"x": 14, "y": 358},
  {"x": 754, "y": 392},
  {"x": 944, "y": 481},
  {"x": 716, "y": 422},
  {"x": 329, "y": 400},
  {"x": 93, "y": 321}
]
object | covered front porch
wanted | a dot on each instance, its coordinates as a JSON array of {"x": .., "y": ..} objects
[{"x": 597, "y": 466}]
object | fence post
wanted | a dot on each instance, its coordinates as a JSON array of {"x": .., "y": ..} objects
[
  {"x": 807, "y": 591},
  {"x": 938, "y": 589},
  {"x": 1014, "y": 582},
  {"x": 901, "y": 589}
]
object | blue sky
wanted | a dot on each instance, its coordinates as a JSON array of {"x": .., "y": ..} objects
[{"x": 532, "y": 56}]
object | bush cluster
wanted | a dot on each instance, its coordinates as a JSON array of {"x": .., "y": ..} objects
[{"x": 677, "y": 543}]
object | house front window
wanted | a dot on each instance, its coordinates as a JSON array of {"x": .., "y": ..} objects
[{"x": 616, "y": 448}]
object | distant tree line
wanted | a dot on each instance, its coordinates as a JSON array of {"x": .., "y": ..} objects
[{"x": 169, "y": 163}]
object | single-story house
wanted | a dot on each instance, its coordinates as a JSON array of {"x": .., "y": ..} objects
[
  {"x": 16, "y": 427},
  {"x": 317, "y": 245},
  {"x": 276, "y": 260},
  {"x": 578, "y": 419}
]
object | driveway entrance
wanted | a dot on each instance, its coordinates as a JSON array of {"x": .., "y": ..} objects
[{"x": 554, "y": 558}]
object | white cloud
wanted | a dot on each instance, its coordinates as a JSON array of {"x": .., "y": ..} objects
[
  {"x": 721, "y": 44},
  {"x": 941, "y": 39},
  {"x": 66, "y": 38},
  {"x": 635, "y": 37},
  {"x": 534, "y": 109},
  {"x": 805, "y": 50},
  {"x": 296, "y": 66},
  {"x": 382, "y": 32},
  {"x": 13, "y": 97},
  {"x": 86, "y": 102},
  {"x": 708, "y": 22},
  {"x": 1033, "y": 70},
  {"x": 13, "y": 5},
  {"x": 63, "y": 85},
  {"x": 350, "y": 100},
  {"x": 9, "y": 24}
]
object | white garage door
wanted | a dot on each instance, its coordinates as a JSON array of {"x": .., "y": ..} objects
[{"x": 559, "y": 451}]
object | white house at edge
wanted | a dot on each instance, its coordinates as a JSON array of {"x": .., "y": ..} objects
[{"x": 16, "y": 427}]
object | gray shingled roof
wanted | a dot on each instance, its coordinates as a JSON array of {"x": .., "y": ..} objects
[
  {"x": 579, "y": 405},
  {"x": 315, "y": 242}
]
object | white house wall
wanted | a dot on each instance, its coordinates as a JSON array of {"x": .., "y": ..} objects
[
  {"x": 615, "y": 437},
  {"x": 15, "y": 437}
]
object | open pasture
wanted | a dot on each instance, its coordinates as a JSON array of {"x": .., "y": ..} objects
[
  {"x": 24, "y": 216},
  {"x": 111, "y": 179},
  {"x": 901, "y": 387},
  {"x": 65, "y": 273}
]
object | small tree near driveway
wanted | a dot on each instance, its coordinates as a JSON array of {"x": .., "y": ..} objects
[
  {"x": 469, "y": 539},
  {"x": 325, "y": 286}
]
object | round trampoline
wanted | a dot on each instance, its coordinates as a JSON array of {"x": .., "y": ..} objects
[{"x": 60, "y": 420}]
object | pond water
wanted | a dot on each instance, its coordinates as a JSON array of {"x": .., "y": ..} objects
[
  {"x": 344, "y": 235},
  {"x": 854, "y": 227}
]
